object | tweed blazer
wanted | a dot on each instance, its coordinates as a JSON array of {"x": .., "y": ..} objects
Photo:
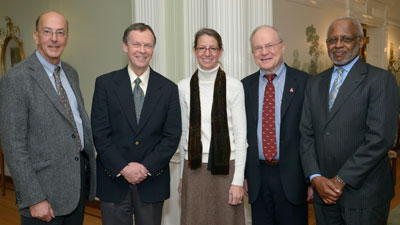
[
  {"x": 352, "y": 139},
  {"x": 38, "y": 141}
]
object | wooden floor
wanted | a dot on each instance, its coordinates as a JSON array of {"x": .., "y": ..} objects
[{"x": 9, "y": 214}]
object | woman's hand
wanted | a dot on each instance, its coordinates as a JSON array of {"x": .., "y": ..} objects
[
  {"x": 180, "y": 187},
  {"x": 235, "y": 195}
]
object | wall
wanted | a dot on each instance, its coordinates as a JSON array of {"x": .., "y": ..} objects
[
  {"x": 95, "y": 41},
  {"x": 293, "y": 18}
]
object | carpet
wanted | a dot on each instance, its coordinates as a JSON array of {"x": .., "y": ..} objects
[{"x": 394, "y": 216}]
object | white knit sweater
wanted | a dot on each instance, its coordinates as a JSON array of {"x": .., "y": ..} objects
[{"x": 236, "y": 119}]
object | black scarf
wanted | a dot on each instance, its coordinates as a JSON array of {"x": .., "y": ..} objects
[{"x": 220, "y": 149}]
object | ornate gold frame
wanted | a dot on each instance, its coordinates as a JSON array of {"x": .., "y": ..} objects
[{"x": 12, "y": 33}]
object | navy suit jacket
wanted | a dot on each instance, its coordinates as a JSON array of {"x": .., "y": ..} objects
[
  {"x": 292, "y": 177},
  {"x": 120, "y": 140}
]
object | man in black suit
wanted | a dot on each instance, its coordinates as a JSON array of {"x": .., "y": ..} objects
[
  {"x": 274, "y": 96},
  {"x": 136, "y": 127},
  {"x": 348, "y": 125}
]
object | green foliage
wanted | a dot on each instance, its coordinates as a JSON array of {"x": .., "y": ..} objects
[
  {"x": 296, "y": 62},
  {"x": 315, "y": 51}
]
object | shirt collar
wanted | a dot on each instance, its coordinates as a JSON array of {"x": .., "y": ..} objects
[
  {"x": 144, "y": 77},
  {"x": 348, "y": 66},
  {"x": 48, "y": 67},
  {"x": 278, "y": 72}
]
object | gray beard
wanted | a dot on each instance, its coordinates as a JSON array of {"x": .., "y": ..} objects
[{"x": 349, "y": 57}]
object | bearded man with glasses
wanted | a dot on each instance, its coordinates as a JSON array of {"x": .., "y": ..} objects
[{"x": 348, "y": 125}]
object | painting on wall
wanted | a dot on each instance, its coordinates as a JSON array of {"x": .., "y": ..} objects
[
  {"x": 394, "y": 64},
  {"x": 315, "y": 51}
]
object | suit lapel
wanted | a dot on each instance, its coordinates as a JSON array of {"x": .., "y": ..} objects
[
  {"x": 352, "y": 81},
  {"x": 153, "y": 94},
  {"x": 75, "y": 88},
  {"x": 253, "y": 95},
  {"x": 289, "y": 90},
  {"x": 41, "y": 78},
  {"x": 324, "y": 91},
  {"x": 123, "y": 89}
]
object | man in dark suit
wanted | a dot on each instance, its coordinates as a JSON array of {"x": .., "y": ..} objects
[
  {"x": 45, "y": 131},
  {"x": 348, "y": 125},
  {"x": 137, "y": 127},
  {"x": 276, "y": 186}
]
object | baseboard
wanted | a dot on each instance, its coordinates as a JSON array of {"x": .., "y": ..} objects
[{"x": 92, "y": 207}]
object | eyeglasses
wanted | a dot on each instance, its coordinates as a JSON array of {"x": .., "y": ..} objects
[
  {"x": 202, "y": 49},
  {"x": 268, "y": 47},
  {"x": 139, "y": 45},
  {"x": 50, "y": 32},
  {"x": 343, "y": 39}
]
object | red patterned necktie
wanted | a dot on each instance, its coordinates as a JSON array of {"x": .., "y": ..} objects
[{"x": 268, "y": 120}]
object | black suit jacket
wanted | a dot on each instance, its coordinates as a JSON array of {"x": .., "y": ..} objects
[
  {"x": 119, "y": 140},
  {"x": 352, "y": 139},
  {"x": 293, "y": 181}
]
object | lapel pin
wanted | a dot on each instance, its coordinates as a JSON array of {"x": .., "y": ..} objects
[{"x": 291, "y": 90}]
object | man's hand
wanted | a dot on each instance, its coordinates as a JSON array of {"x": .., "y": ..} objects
[
  {"x": 245, "y": 188},
  {"x": 310, "y": 194},
  {"x": 235, "y": 195},
  {"x": 326, "y": 189},
  {"x": 42, "y": 211},
  {"x": 134, "y": 172}
]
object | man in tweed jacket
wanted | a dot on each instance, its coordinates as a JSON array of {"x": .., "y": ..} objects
[{"x": 50, "y": 154}]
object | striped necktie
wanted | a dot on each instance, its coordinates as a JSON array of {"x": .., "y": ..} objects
[{"x": 336, "y": 86}]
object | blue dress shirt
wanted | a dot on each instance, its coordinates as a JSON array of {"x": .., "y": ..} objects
[
  {"x": 49, "y": 68},
  {"x": 279, "y": 84}
]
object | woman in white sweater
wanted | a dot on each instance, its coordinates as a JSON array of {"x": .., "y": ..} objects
[{"x": 213, "y": 145}]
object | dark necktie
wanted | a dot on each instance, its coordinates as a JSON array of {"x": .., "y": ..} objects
[
  {"x": 138, "y": 97},
  {"x": 268, "y": 120},
  {"x": 64, "y": 100}
]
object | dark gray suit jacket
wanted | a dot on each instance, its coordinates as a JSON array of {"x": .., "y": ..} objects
[
  {"x": 38, "y": 138},
  {"x": 353, "y": 138}
]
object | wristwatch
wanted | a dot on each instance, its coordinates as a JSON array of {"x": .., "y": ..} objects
[{"x": 339, "y": 180}]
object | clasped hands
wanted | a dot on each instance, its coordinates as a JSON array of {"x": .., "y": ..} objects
[
  {"x": 329, "y": 190},
  {"x": 134, "y": 172}
]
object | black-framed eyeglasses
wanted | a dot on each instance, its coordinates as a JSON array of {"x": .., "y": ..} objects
[{"x": 343, "y": 39}]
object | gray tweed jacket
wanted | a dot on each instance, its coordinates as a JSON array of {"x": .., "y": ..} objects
[{"x": 37, "y": 138}]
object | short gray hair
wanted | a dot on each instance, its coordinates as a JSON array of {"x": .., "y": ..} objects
[
  {"x": 355, "y": 22},
  {"x": 265, "y": 26}
]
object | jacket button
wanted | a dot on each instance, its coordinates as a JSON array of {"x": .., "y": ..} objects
[
  {"x": 136, "y": 142},
  {"x": 76, "y": 158},
  {"x": 328, "y": 133},
  {"x": 73, "y": 136}
]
